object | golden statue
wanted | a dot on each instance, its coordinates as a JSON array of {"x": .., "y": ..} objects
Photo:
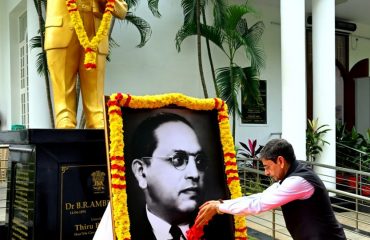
[{"x": 66, "y": 55}]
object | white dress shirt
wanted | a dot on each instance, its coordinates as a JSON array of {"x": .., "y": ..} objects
[
  {"x": 161, "y": 228},
  {"x": 292, "y": 188}
]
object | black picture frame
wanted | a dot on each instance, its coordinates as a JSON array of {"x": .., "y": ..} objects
[{"x": 206, "y": 117}]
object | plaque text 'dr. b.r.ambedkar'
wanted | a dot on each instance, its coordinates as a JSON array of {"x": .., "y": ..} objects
[{"x": 85, "y": 195}]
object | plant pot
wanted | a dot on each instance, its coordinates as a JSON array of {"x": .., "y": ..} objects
[{"x": 365, "y": 190}]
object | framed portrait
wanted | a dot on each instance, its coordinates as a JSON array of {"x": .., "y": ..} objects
[{"x": 167, "y": 155}]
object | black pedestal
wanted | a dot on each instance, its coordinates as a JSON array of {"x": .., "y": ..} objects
[{"x": 58, "y": 186}]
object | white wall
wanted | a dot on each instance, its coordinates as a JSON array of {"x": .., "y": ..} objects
[
  {"x": 158, "y": 68},
  {"x": 3, "y": 87},
  {"x": 38, "y": 108},
  {"x": 362, "y": 88},
  {"x": 359, "y": 49},
  {"x": 359, "y": 44},
  {"x": 5, "y": 74}
]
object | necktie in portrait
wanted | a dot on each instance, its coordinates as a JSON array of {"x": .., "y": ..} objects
[{"x": 176, "y": 233}]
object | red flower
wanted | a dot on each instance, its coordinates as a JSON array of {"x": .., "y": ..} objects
[
  {"x": 194, "y": 233},
  {"x": 366, "y": 190}
]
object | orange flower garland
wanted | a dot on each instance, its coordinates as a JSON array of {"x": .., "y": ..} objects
[
  {"x": 91, "y": 47},
  {"x": 116, "y": 153}
]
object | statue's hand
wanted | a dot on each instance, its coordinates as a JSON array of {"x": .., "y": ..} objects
[{"x": 120, "y": 9}]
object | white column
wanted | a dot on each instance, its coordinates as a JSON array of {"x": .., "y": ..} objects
[
  {"x": 323, "y": 54},
  {"x": 3, "y": 76},
  {"x": 5, "y": 82},
  {"x": 293, "y": 70}
]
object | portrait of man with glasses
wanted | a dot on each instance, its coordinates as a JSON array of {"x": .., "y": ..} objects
[{"x": 173, "y": 165}]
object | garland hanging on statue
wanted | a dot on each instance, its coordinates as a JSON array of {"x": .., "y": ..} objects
[{"x": 91, "y": 47}]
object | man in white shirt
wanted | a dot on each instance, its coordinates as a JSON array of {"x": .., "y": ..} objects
[{"x": 299, "y": 191}]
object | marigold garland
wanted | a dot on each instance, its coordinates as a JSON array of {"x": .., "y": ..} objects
[
  {"x": 91, "y": 47},
  {"x": 117, "y": 161}
]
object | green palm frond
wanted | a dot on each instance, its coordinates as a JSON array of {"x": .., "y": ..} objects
[
  {"x": 242, "y": 27},
  {"x": 143, "y": 27},
  {"x": 211, "y": 33},
  {"x": 189, "y": 10},
  {"x": 153, "y": 7},
  {"x": 35, "y": 42},
  {"x": 254, "y": 33},
  {"x": 132, "y": 3},
  {"x": 219, "y": 12},
  {"x": 228, "y": 82},
  {"x": 257, "y": 56},
  {"x": 234, "y": 14},
  {"x": 189, "y": 7},
  {"x": 253, "y": 49},
  {"x": 234, "y": 40},
  {"x": 250, "y": 86},
  {"x": 40, "y": 64}
]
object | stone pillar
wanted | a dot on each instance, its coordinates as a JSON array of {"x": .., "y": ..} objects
[
  {"x": 323, "y": 60},
  {"x": 293, "y": 71}
]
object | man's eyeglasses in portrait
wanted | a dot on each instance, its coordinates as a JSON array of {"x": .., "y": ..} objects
[{"x": 181, "y": 159}]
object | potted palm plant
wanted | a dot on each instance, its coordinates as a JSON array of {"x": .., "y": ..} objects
[
  {"x": 231, "y": 33},
  {"x": 315, "y": 138}
]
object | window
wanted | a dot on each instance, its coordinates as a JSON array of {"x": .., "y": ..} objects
[{"x": 23, "y": 69}]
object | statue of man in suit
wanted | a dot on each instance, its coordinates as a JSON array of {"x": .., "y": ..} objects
[{"x": 65, "y": 57}]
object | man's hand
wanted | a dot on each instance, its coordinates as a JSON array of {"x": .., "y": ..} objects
[{"x": 206, "y": 213}]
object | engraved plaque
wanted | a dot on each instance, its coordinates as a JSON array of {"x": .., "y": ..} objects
[
  {"x": 57, "y": 184},
  {"x": 84, "y": 196}
]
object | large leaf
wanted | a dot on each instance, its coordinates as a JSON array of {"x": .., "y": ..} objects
[
  {"x": 211, "y": 33},
  {"x": 234, "y": 14},
  {"x": 142, "y": 26},
  {"x": 252, "y": 47},
  {"x": 219, "y": 12},
  {"x": 228, "y": 81},
  {"x": 130, "y": 3},
  {"x": 153, "y": 6},
  {"x": 250, "y": 86},
  {"x": 35, "y": 42},
  {"x": 189, "y": 7}
]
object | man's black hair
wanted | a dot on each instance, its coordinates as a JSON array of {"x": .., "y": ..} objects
[
  {"x": 278, "y": 147},
  {"x": 144, "y": 141}
]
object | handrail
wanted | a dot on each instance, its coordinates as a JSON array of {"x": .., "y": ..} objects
[
  {"x": 311, "y": 163},
  {"x": 337, "y": 168},
  {"x": 347, "y": 194},
  {"x": 354, "y": 149}
]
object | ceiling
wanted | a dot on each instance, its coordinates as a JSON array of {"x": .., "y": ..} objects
[
  {"x": 353, "y": 10},
  {"x": 350, "y": 10}
]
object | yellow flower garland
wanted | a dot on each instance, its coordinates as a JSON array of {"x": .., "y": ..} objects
[
  {"x": 91, "y": 47},
  {"x": 116, "y": 153}
]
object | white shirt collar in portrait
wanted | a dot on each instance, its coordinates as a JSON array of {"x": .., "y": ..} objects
[{"x": 161, "y": 228}]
